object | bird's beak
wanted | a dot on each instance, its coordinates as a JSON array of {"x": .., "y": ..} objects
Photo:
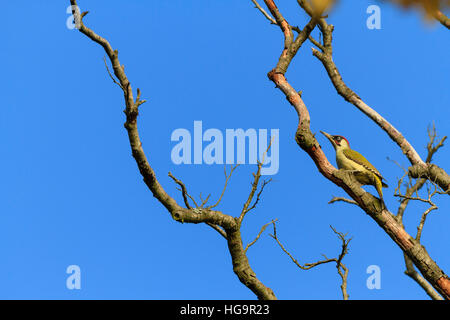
[{"x": 329, "y": 138}]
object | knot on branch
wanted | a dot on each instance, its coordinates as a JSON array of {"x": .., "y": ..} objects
[
  {"x": 418, "y": 171},
  {"x": 132, "y": 114},
  {"x": 272, "y": 74},
  {"x": 129, "y": 125},
  {"x": 178, "y": 216},
  {"x": 305, "y": 138},
  {"x": 431, "y": 172}
]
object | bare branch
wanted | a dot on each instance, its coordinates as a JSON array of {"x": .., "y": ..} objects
[
  {"x": 256, "y": 177},
  {"x": 410, "y": 271},
  {"x": 431, "y": 146},
  {"x": 316, "y": 43},
  {"x": 442, "y": 18},
  {"x": 291, "y": 46},
  {"x": 342, "y": 199},
  {"x": 263, "y": 228},
  {"x": 306, "y": 266},
  {"x": 268, "y": 17},
  {"x": 413, "y": 274},
  {"x": 307, "y": 141},
  {"x": 227, "y": 177},
  {"x": 258, "y": 196},
  {"x": 341, "y": 268},
  {"x": 204, "y": 201},
  {"x": 218, "y": 229},
  {"x": 422, "y": 221},
  {"x": 225, "y": 224},
  {"x": 407, "y": 197},
  {"x": 110, "y": 75},
  {"x": 183, "y": 191},
  {"x": 419, "y": 168},
  {"x": 326, "y": 57},
  {"x": 411, "y": 189}
]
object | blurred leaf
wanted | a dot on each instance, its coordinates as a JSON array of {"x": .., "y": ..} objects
[
  {"x": 429, "y": 7},
  {"x": 320, "y": 6}
]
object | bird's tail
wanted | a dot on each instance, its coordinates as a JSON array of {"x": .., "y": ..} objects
[{"x": 379, "y": 186}]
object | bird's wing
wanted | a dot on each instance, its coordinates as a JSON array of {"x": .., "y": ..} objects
[{"x": 359, "y": 159}]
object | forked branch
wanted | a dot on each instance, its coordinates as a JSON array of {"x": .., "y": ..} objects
[
  {"x": 419, "y": 167},
  {"x": 412, "y": 194},
  {"x": 307, "y": 141},
  {"x": 224, "y": 224},
  {"x": 341, "y": 268}
]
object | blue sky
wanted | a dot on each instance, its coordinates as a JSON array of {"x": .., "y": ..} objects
[{"x": 71, "y": 192}]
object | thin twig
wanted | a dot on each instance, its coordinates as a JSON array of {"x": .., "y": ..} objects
[
  {"x": 183, "y": 191},
  {"x": 111, "y": 76},
  {"x": 342, "y": 199},
  {"x": 422, "y": 221},
  {"x": 227, "y": 177},
  {"x": 205, "y": 201},
  {"x": 411, "y": 189},
  {"x": 256, "y": 177},
  {"x": 218, "y": 229},
  {"x": 259, "y": 234},
  {"x": 316, "y": 43},
  {"x": 264, "y": 12},
  {"x": 341, "y": 268}
]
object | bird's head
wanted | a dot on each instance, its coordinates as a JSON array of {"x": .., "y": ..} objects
[{"x": 338, "y": 142}]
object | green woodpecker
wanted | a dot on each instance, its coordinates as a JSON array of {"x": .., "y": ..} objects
[{"x": 348, "y": 159}]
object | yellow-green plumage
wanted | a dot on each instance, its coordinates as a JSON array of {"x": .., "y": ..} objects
[
  {"x": 348, "y": 159},
  {"x": 372, "y": 177}
]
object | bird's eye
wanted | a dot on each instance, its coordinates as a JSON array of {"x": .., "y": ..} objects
[{"x": 338, "y": 139}]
